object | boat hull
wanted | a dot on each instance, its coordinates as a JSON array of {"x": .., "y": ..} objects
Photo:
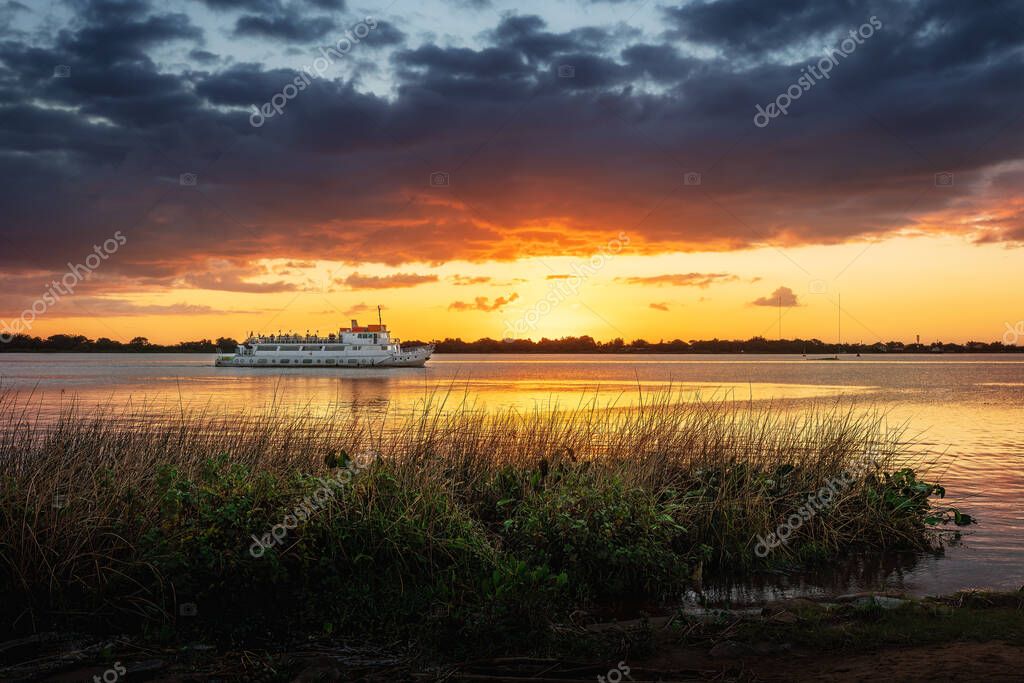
[{"x": 406, "y": 358}]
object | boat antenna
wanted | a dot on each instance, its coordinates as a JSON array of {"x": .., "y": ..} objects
[{"x": 380, "y": 320}]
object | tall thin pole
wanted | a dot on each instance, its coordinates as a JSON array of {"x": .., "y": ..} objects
[
  {"x": 380, "y": 320},
  {"x": 839, "y": 323}
]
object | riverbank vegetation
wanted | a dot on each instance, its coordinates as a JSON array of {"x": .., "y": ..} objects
[{"x": 461, "y": 530}]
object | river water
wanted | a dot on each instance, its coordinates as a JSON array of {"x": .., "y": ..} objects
[{"x": 968, "y": 407}]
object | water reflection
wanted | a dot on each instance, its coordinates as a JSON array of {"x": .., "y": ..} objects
[{"x": 859, "y": 573}]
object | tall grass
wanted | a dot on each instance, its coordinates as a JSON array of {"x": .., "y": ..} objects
[{"x": 467, "y": 519}]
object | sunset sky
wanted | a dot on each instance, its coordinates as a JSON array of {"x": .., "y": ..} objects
[{"x": 523, "y": 169}]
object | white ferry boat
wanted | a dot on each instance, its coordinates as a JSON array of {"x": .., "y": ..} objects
[{"x": 368, "y": 346}]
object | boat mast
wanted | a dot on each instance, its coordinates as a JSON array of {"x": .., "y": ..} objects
[{"x": 380, "y": 321}]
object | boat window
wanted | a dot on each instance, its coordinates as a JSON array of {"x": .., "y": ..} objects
[
  {"x": 307, "y": 361},
  {"x": 329, "y": 361},
  {"x": 334, "y": 347},
  {"x": 285, "y": 361},
  {"x": 288, "y": 348},
  {"x": 262, "y": 361}
]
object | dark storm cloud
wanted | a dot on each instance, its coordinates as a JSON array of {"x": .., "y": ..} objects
[
  {"x": 456, "y": 62},
  {"x": 247, "y": 5},
  {"x": 242, "y": 84},
  {"x": 527, "y": 34},
  {"x": 281, "y": 21},
  {"x": 523, "y": 50},
  {"x": 539, "y": 160},
  {"x": 328, "y": 4},
  {"x": 660, "y": 62},
  {"x": 753, "y": 27},
  {"x": 494, "y": 73},
  {"x": 290, "y": 26},
  {"x": 385, "y": 34},
  {"x": 24, "y": 128},
  {"x": 97, "y": 10},
  {"x": 125, "y": 35},
  {"x": 113, "y": 75},
  {"x": 947, "y": 31},
  {"x": 203, "y": 56}
]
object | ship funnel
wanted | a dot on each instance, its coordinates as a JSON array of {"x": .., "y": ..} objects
[{"x": 355, "y": 324}]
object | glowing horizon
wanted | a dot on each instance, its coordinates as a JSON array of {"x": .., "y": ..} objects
[{"x": 682, "y": 296}]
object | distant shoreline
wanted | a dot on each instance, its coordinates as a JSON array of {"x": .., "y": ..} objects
[
  {"x": 810, "y": 355},
  {"x": 69, "y": 343}
]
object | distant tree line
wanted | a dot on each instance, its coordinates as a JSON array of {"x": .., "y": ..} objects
[
  {"x": 68, "y": 343},
  {"x": 587, "y": 344},
  {"x": 77, "y": 343}
]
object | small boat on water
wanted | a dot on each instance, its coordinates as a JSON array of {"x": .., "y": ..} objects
[{"x": 352, "y": 347}]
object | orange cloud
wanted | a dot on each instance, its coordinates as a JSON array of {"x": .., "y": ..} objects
[
  {"x": 702, "y": 280},
  {"x": 783, "y": 296},
  {"x": 227, "y": 277},
  {"x": 357, "y": 281},
  {"x": 121, "y": 308},
  {"x": 463, "y": 280},
  {"x": 481, "y": 304}
]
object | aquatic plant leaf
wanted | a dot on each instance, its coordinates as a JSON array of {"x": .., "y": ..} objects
[{"x": 962, "y": 518}]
